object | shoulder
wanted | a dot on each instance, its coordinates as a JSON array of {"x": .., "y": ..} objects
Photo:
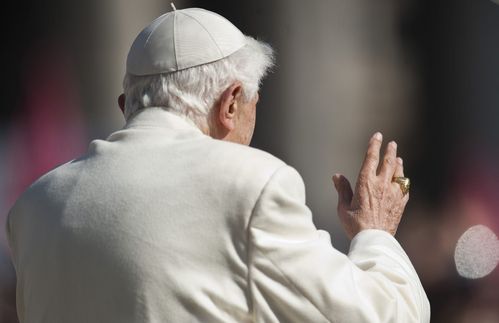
[
  {"x": 246, "y": 159},
  {"x": 32, "y": 206},
  {"x": 246, "y": 170},
  {"x": 58, "y": 180},
  {"x": 271, "y": 172}
]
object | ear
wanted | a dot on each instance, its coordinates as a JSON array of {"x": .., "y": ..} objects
[
  {"x": 229, "y": 105},
  {"x": 121, "y": 102}
]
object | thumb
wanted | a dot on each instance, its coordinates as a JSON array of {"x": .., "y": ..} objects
[{"x": 344, "y": 189}]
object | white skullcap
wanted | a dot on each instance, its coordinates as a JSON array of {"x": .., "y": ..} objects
[{"x": 181, "y": 39}]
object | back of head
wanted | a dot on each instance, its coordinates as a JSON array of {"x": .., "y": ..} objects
[{"x": 185, "y": 59}]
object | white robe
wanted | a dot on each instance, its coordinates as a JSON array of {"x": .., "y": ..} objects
[{"x": 161, "y": 223}]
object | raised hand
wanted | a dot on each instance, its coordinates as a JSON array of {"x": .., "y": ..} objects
[{"x": 377, "y": 202}]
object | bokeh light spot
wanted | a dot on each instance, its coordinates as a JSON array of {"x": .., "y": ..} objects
[{"x": 477, "y": 252}]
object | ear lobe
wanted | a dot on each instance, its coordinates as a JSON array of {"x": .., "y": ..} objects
[{"x": 121, "y": 102}]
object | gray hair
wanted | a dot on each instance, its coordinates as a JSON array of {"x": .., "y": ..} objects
[{"x": 192, "y": 92}]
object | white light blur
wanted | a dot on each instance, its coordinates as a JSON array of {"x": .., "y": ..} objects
[{"x": 477, "y": 252}]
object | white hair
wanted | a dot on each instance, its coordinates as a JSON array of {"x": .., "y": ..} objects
[{"x": 192, "y": 92}]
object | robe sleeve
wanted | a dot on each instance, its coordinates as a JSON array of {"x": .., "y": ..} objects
[{"x": 296, "y": 275}]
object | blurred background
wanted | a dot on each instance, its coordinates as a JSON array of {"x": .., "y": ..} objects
[{"x": 425, "y": 73}]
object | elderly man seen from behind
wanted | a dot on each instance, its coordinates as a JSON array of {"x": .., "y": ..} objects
[{"x": 175, "y": 219}]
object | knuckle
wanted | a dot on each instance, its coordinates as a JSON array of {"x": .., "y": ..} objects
[
  {"x": 378, "y": 192},
  {"x": 389, "y": 161},
  {"x": 398, "y": 193},
  {"x": 363, "y": 178}
]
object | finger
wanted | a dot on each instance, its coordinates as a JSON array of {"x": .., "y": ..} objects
[
  {"x": 344, "y": 189},
  {"x": 372, "y": 156},
  {"x": 399, "y": 172},
  {"x": 399, "y": 169},
  {"x": 406, "y": 199},
  {"x": 389, "y": 162}
]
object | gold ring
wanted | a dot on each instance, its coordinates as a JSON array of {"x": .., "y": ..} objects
[{"x": 404, "y": 184}]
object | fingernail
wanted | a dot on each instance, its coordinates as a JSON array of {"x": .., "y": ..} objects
[
  {"x": 336, "y": 178},
  {"x": 400, "y": 161},
  {"x": 378, "y": 136},
  {"x": 394, "y": 144}
]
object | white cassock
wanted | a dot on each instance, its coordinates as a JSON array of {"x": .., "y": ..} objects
[{"x": 161, "y": 223}]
